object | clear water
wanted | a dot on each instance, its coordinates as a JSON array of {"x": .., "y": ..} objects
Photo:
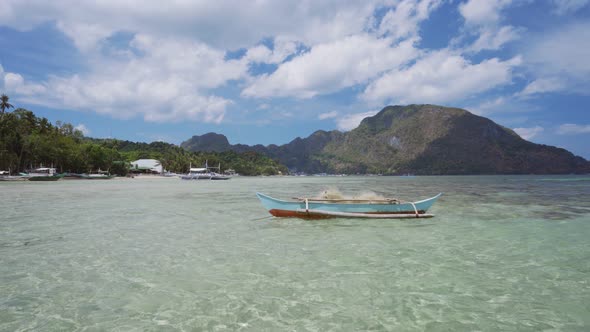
[{"x": 508, "y": 253}]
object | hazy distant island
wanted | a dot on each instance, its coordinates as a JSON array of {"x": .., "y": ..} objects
[{"x": 416, "y": 139}]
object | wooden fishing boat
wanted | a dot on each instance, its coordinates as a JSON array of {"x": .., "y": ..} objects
[
  {"x": 92, "y": 176},
  {"x": 5, "y": 176},
  {"x": 9, "y": 177},
  {"x": 74, "y": 176},
  {"x": 100, "y": 175},
  {"x": 44, "y": 174},
  {"x": 205, "y": 173},
  {"x": 313, "y": 208}
]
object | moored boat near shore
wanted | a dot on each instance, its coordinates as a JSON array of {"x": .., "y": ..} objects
[
  {"x": 44, "y": 174},
  {"x": 205, "y": 173},
  {"x": 74, "y": 176},
  {"x": 91, "y": 176},
  {"x": 5, "y": 176},
  {"x": 13, "y": 178},
  {"x": 313, "y": 208},
  {"x": 100, "y": 175}
]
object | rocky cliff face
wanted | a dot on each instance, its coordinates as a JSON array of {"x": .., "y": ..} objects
[
  {"x": 419, "y": 139},
  {"x": 430, "y": 139},
  {"x": 210, "y": 142}
]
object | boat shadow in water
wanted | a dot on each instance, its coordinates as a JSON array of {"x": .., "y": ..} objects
[
  {"x": 29, "y": 242},
  {"x": 339, "y": 223}
]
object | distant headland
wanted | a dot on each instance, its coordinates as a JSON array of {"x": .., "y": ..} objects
[
  {"x": 416, "y": 139},
  {"x": 413, "y": 139}
]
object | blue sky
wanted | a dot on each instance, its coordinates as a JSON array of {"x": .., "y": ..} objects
[{"x": 270, "y": 71}]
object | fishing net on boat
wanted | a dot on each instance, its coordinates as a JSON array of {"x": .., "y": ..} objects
[{"x": 334, "y": 193}]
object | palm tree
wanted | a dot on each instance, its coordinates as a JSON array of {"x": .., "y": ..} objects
[{"x": 4, "y": 105}]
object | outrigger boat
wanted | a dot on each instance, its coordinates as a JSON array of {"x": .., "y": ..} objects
[
  {"x": 44, "y": 174},
  {"x": 5, "y": 176},
  {"x": 100, "y": 175},
  {"x": 314, "y": 208},
  {"x": 205, "y": 173}
]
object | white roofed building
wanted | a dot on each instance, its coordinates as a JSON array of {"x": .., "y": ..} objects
[{"x": 146, "y": 166}]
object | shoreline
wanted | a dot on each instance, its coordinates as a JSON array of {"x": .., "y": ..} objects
[{"x": 146, "y": 177}]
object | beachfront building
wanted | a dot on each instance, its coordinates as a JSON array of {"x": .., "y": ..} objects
[{"x": 149, "y": 166}]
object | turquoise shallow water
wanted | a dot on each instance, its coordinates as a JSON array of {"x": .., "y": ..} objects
[{"x": 508, "y": 253}]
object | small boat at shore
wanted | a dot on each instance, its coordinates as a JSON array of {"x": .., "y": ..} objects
[
  {"x": 44, "y": 174},
  {"x": 13, "y": 178},
  {"x": 100, "y": 175},
  {"x": 5, "y": 176},
  {"x": 92, "y": 176},
  {"x": 316, "y": 208},
  {"x": 205, "y": 173}
]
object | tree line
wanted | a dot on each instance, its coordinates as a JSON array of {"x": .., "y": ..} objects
[{"x": 28, "y": 141}]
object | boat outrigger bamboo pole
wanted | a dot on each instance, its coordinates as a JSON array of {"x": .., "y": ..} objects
[
  {"x": 313, "y": 212},
  {"x": 387, "y": 200},
  {"x": 415, "y": 210}
]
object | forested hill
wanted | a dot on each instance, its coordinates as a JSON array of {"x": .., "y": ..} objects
[
  {"x": 29, "y": 141},
  {"x": 418, "y": 139}
]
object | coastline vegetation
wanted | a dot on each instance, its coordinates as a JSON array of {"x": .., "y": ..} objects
[{"x": 28, "y": 141}]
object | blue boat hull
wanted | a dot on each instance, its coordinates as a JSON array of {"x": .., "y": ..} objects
[{"x": 316, "y": 209}]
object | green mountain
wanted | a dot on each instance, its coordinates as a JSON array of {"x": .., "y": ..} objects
[
  {"x": 210, "y": 142},
  {"x": 418, "y": 139}
]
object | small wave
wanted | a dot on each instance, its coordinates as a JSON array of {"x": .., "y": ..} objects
[{"x": 574, "y": 179}]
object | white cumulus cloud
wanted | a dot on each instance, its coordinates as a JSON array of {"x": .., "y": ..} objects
[
  {"x": 528, "y": 133},
  {"x": 15, "y": 83},
  {"x": 86, "y": 36},
  {"x": 563, "y": 53},
  {"x": 440, "y": 77},
  {"x": 170, "y": 81},
  {"x": 328, "y": 115},
  {"x": 177, "y": 64},
  {"x": 81, "y": 127},
  {"x": 489, "y": 106},
  {"x": 223, "y": 24},
  {"x": 563, "y": 7},
  {"x": 333, "y": 66},
  {"x": 494, "y": 38},
  {"x": 482, "y": 12},
  {"x": 351, "y": 121},
  {"x": 542, "y": 85},
  {"x": 177, "y": 55},
  {"x": 346, "y": 61},
  {"x": 281, "y": 50},
  {"x": 402, "y": 21},
  {"x": 483, "y": 18},
  {"x": 572, "y": 129}
]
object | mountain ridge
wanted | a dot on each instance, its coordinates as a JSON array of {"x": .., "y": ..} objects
[{"x": 418, "y": 139}]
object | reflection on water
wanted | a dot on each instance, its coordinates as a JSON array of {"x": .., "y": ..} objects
[{"x": 502, "y": 253}]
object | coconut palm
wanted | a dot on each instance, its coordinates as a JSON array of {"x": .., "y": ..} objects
[{"x": 4, "y": 105}]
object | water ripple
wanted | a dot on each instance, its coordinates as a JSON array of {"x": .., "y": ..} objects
[{"x": 506, "y": 253}]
